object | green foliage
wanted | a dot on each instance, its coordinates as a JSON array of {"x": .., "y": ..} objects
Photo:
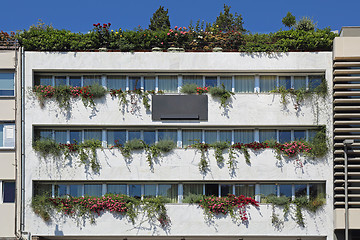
[
  {"x": 86, "y": 207},
  {"x": 300, "y": 203},
  {"x": 203, "y": 148},
  {"x": 189, "y": 88},
  {"x": 135, "y": 144},
  {"x": 193, "y": 198},
  {"x": 305, "y": 24},
  {"x": 47, "y": 147},
  {"x": 289, "y": 20},
  {"x": 319, "y": 144},
  {"x": 221, "y": 93},
  {"x": 226, "y": 21},
  {"x": 219, "y": 148},
  {"x": 166, "y": 146},
  {"x": 160, "y": 20}
]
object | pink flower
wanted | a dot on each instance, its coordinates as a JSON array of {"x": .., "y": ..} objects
[{"x": 168, "y": 34}]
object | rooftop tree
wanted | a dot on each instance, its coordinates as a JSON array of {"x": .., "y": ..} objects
[{"x": 160, "y": 20}]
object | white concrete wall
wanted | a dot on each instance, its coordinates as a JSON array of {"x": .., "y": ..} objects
[{"x": 245, "y": 110}]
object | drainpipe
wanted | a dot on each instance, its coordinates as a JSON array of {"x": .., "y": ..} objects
[
  {"x": 17, "y": 51},
  {"x": 22, "y": 211},
  {"x": 346, "y": 142}
]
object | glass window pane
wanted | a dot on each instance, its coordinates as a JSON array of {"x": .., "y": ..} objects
[
  {"x": 315, "y": 81},
  {"x": 190, "y": 137},
  {"x": 226, "y": 189},
  {"x": 149, "y": 137},
  {"x": 169, "y": 191},
  {"x": 210, "y": 81},
  {"x": 116, "y": 135},
  {"x": 8, "y": 192},
  {"x": 212, "y": 189},
  {"x": 244, "y": 84},
  {"x": 133, "y": 134},
  {"x": 135, "y": 190},
  {"x": 42, "y": 80},
  {"x": 300, "y": 190},
  {"x": 117, "y": 189},
  {"x": 150, "y": 190},
  {"x": 116, "y": 82},
  {"x": 60, "y": 190},
  {"x": 1, "y": 135},
  {"x": 7, "y": 84},
  {"x": 167, "y": 134},
  {"x": 134, "y": 83},
  {"x": 149, "y": 83},
  {"x": 312, "y": 134},
  {"x": 192, "y": 189},
  {"x": 248, "y": 190},
  {"x": 267, "y": 135},
  {"x": 168, "y": 83},
  {"x": 75, "y": 81},
  {"x": 284, "y": 136},
  {"x": 42, "y": 134},
  {"x": 316, "y": 189},
  {"x": 92, "y": 80},
  {"x": 285, "y": 81},
  {"x": 94, "y": 190},
  {"x": 92, "y": 134},
  {"x": 198, "y": 80},
  {"x": 76, "y": 190},
  {"x": 210, "y": 136},
  {"x": 299, "y": 135},
  {"x": 60, "y": 80},
  {"x": 61, "y": 136},
  {"x": 227, "y": 82},
  {"x": 42, "y": 189},
  {"x": 267, "y": 83},
  {"x": 225, "y": 136},
  {"x": 299, "y": 82},
  {"x": 75, "y": 136},
  {"x": 268, "y": 190},
  {"x": 285, "y": 190},
  {"x": 243, "y": 136}
]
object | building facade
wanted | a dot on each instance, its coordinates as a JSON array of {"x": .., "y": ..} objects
[{"x": 252, "y": 114}]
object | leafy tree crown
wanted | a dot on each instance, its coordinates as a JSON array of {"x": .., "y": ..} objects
[{"x": 160, "y": 20}]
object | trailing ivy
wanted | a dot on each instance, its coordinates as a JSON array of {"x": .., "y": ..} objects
[
  {"x": 203, "y": 148},
  {"x": 222, "y": 93},
  {"x": 86, "y": 151},
  {"x": 300, "y": 202},
  {"x": 219, "y": 149},
  {"x": 88, "y": 206}
]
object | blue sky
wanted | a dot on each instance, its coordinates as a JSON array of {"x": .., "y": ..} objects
[{"x": 261, "y": 16}]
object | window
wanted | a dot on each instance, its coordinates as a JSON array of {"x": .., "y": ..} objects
[
  {"x": 75, "y": 190},
  {"x": 60, "y": 80},
  {"x": 243, "y": 136},
  {"x": 169, "y": 191},
  {"x": 299, "y": 135},
  {"x": 75, "y": 81},
  {"x": 149, "y": 190},
  {"x": 227, "y": 82},
  {"x": 43, "y": 80},
  {"x": 117, "y": 188},
  {"x": 285, "y": 190},
  {"x": 225, "y": 136},
  {"x": 284, "y": 136},
  {"x": 190, "y": 137},
  {"x": 267, "y": 135},
  {"x": 210, "y": 136},
  {"x": 300, "y": 190},
  {"x": 92, "y": 80},
  {"x": 299, "y": 82},
  {"x": 267, "y": 83},
  {"x": 134, "y": 134},
  {"x": 316, "y": 189},
  {"x": 149, "y": 83},
  {"x": 315, "y": 81},
  {"x": 168, "y": 83},
  {"x": 60, "y": 190},
  {"x": 212, "y": 189},
  {"x": 75, "y": 136},
  {"x": 211, "y": 81},
  {"x": 116, "y": 82},
  {"x": 198, "y": 80},
  {"x": 7, "y": 135},
  {"x": 42, "y": 188},
  {"x": 43, "y": 134},
  {"x": 8, "y": 192},
  {"x": 226, "y": 189},
  {"x": 244, "y": 84},
  {"x": 94, "y": 190},
  {"x": 149, "y": 137},
  {"x": 167, "y": 134},
  {"x": 134, "y": 83},
  {"x": 61, "y": 136},
  {"x": 196, "y": 189},
  {"x": 248, "y": 190},
  {"x": 92, "y": 134},
  {"x": 285, "y": 82},
  {"x": 135, "y": 190},
  {"x": 116, "y": 136},
  {"x": 7, "y": 84},
  {"x": 267, "y": 190}
]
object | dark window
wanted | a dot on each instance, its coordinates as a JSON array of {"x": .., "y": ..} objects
[
  {"x": 42, "y": 188},
  {"x": 135, "y": 190},
  {"x": 75, "y": 81},
  {"x": 226, "y": 189},
  {"x": 284, "y": 136},
  {"x": 8, "y": 192},
  {"x": 212, "y": 189}
]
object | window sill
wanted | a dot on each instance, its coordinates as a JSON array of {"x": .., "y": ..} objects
[
  {"x": 7, "y": 149},
  {"x": 7, "y": 97}
]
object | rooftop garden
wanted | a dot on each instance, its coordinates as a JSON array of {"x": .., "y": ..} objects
[{"x": 225, "y": 34}]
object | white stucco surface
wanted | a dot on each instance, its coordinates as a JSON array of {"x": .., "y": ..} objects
[{"x": 251, "y": 110}]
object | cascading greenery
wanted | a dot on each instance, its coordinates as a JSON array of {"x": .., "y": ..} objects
[{"x": 89, "y": 206}]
